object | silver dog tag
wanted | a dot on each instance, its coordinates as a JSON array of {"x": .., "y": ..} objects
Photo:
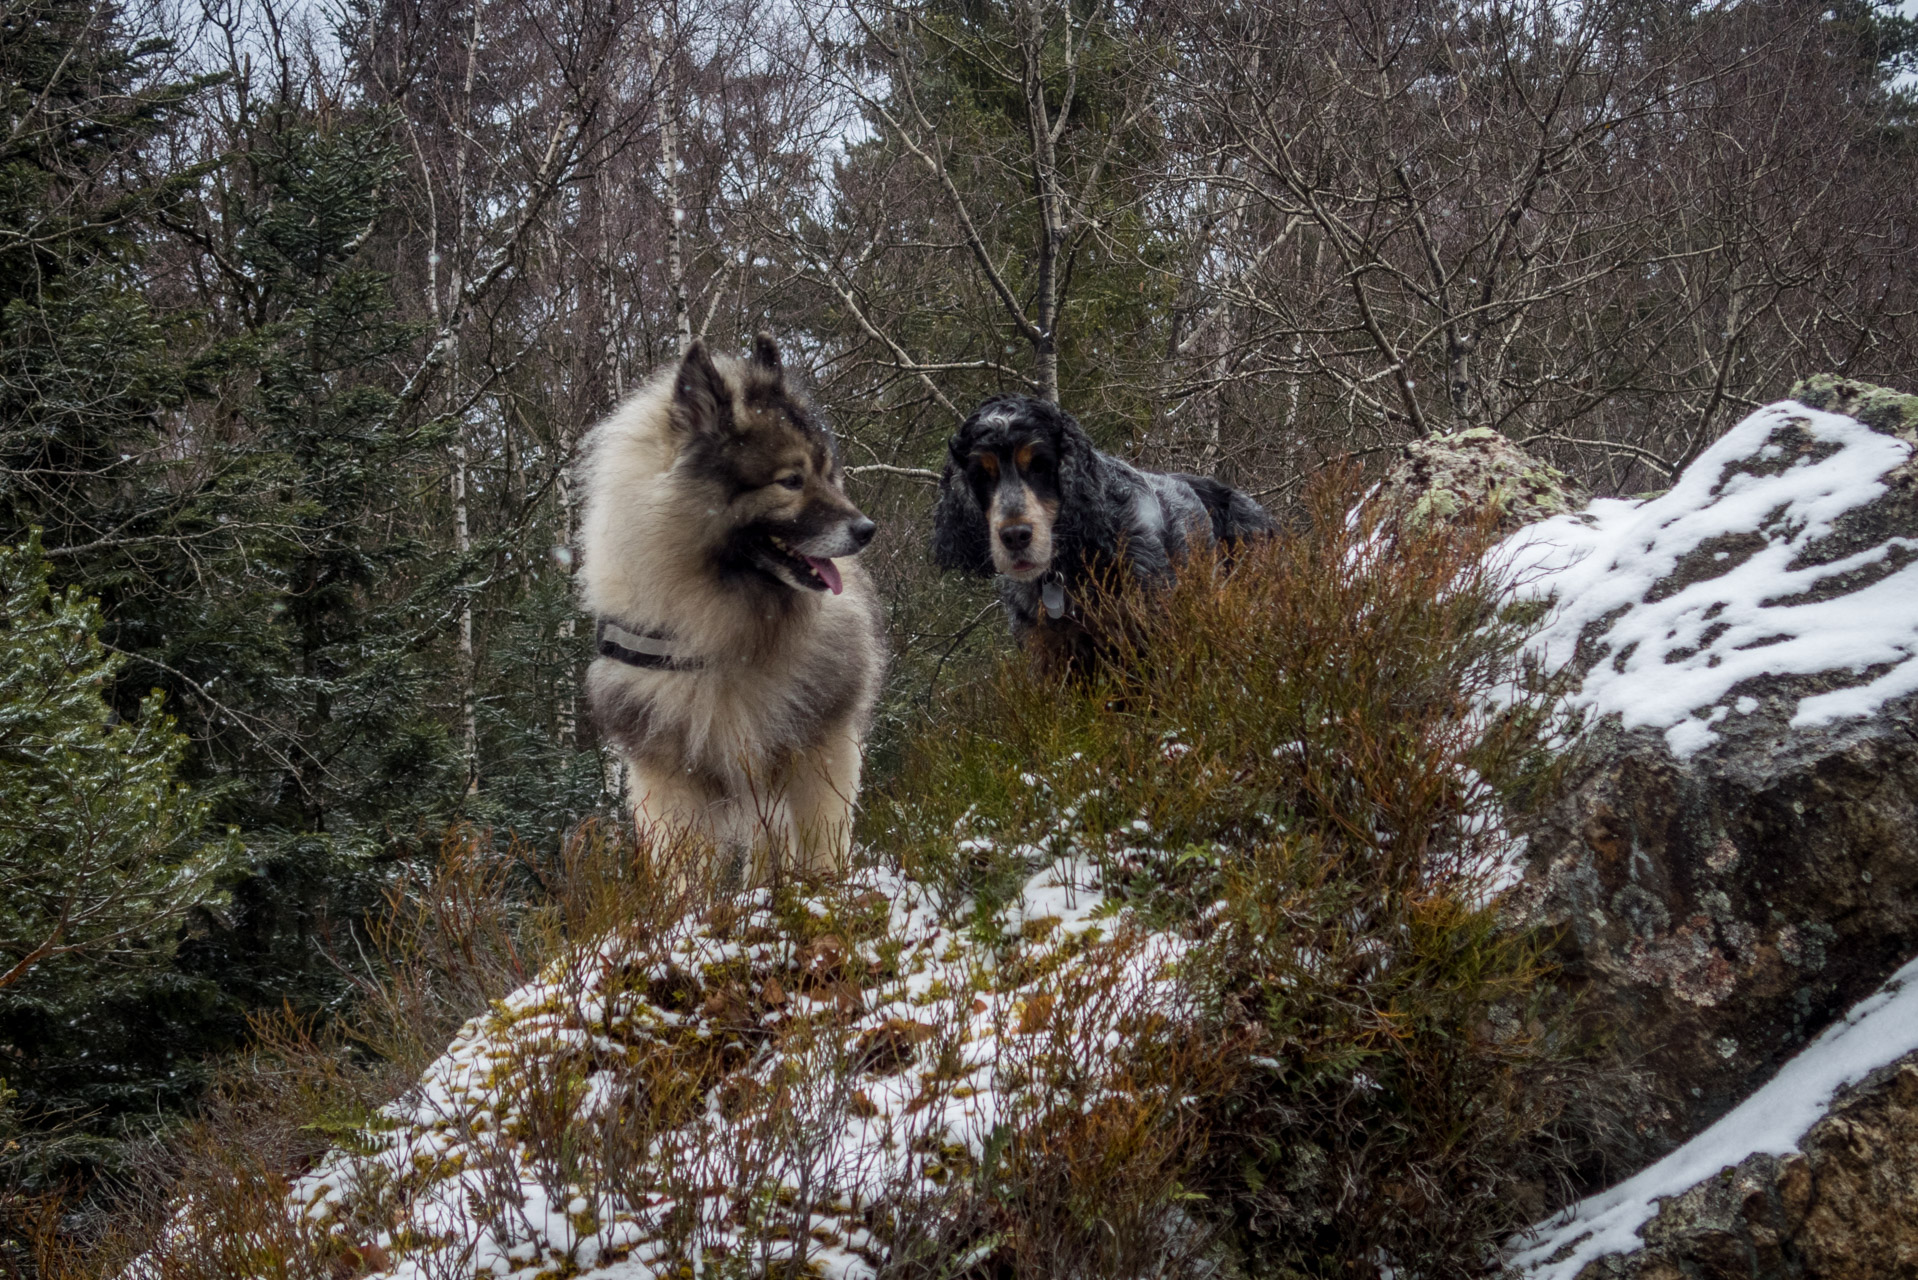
[{"x": 1053, "y": 593}]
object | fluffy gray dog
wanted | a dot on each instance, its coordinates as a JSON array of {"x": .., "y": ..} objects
[{"x": 740, "y": 649}]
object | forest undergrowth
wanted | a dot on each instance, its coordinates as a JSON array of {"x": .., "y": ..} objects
[
  {"x": 1288, "y": 800},
  {"x": 1306, "y": 760}
]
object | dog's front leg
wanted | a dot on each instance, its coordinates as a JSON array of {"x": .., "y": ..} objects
[
  {"x": 819, "y": 798},
  {"x": 691, "y": 821}
]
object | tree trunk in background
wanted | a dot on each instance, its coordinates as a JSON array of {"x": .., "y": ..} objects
[{"x": 662, "y": 66}]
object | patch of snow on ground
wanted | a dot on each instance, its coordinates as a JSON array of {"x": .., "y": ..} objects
[
  {"x": 1670, "y": 663},
  {"x": 1877, "y": 1031},
  {"x": 842, "y": 1075}
]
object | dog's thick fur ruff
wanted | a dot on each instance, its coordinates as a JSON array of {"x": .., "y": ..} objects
[
  {"x": 715, "y": 520},
  {"x": 1024, "y": 468}
]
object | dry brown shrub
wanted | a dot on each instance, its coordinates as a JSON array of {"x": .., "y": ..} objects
[
  {"x": 1303, "y": 758},
  {"x": 35, "y": 1242},
  {"x": 1115, "y": 1080}
]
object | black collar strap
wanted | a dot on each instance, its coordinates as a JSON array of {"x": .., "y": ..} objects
[{"x": 650, "y": 649}]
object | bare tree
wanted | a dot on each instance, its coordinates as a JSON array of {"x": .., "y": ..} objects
[
  {"x": 1021, "y": 125},
  {"x": 1561, "y": 223}
]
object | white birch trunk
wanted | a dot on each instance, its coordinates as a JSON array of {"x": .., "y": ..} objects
[
  {"x": 663, "y": 80},
  {"x": 462, "y": 525}
]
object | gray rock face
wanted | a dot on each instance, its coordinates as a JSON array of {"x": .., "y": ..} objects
[
  {"x": 1843, "y": 1207},
  {"x": 1731, "y": 866},
  {"x": 1723, "y": 910},
  {"x": 1457, "y": 476}
]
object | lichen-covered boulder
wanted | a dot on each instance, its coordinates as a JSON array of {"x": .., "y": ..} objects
[
  {"x": 1458, "y": 476},
  {"x": 1844, "y": 1208},
  {"x": 1879, "y": 407},
  {"x": 1735, "y": 859}
]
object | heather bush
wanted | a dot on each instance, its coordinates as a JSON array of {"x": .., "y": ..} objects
[{"x": 1303, "y": 759}]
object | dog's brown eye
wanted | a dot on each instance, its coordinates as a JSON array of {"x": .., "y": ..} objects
[{"x": 791, "y": 482}]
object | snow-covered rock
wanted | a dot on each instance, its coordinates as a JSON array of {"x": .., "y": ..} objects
[
  {"x": 1735, "y": 860},
  {"x": 1784, "y": 554},
  {"x": 1814, "y": 1175}
]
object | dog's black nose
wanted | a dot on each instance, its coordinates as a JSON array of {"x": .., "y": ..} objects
[
  {"x": 862, "y": 530},
  {"x": 1016, "y": 537}
]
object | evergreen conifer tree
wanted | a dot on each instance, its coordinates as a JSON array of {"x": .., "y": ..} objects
[
  {"x": 319, "y": 667},
  {"x": 102, "y": 863},
  {"x": 83, "y": 363}
]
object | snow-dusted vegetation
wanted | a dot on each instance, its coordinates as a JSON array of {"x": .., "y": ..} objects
[
  {"x": 1193, "y": 962},
  {"x": 752, "y": 1086}
]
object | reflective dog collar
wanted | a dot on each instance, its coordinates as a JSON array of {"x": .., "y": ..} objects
[{"x": 650, "y": 649}]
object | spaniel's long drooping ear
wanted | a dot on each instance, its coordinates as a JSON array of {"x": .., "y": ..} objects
[
  {"x": 702, "y": 403},
  {"x": 959, "y": 536},
  {"x": 1092, "y": 513}
]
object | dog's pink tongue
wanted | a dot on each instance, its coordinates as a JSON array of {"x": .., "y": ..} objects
[{"x": 829, "y": 571}]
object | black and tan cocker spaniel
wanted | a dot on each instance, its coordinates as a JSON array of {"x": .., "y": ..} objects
[{"x": 1026, "y": 496}]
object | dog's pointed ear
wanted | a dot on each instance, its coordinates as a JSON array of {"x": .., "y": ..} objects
[
  {"x": 766, "y": 352},
  {"x": 959, "y": 536},
  {"x": 702, "y": 403}
]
